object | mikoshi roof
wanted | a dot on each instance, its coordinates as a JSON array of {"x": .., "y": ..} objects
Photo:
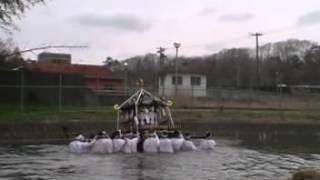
[{"x": 143, "y": 98}]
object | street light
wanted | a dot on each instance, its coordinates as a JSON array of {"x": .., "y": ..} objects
[
  {"x": 126, "y": 77},
  {"x": 177, "y": 46}
]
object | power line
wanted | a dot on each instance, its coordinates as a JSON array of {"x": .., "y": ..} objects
[
  {"x": 240, "y": 38},
  {"x": 46, "y": 47},
  {"x": 50, "y": 47}
]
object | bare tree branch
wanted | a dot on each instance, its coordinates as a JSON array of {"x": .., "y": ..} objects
[{"x": 11, "y": 9}]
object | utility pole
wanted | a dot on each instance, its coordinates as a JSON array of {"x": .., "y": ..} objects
[
  {"x": 161, "y": 51},
  {"x": 177, "y": 46},
  {"x": 160, "y": 78},
  {"x": 126, "y": 87},
  {"x": 258, "y": 68}
]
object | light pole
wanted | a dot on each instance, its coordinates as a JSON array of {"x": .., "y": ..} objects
[
  {"x": 177, "y": 46},
  {"x": 126, "y": 78}
]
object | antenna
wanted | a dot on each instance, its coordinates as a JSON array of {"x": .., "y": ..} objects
[{"x": 48, "y": 47}]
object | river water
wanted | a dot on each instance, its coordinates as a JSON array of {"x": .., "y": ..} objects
[{"x": 244, "y": 155}]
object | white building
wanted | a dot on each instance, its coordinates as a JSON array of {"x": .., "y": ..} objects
[{"x": 188, "y": 84}]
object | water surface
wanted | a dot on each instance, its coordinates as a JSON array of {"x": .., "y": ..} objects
[{"x": 232, "y": 159}]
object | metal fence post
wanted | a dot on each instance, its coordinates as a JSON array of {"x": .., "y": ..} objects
[
  {"x": 192, "y": 97},
  {"x": 21, "y": 90},
  {"x": 60, "y": 91}
]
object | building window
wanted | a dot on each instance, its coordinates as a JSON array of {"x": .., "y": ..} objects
[
  {"x": 108, "y": 87},
  {"x": 179, "y": 80},
  {"x": 195, "y": 80}
]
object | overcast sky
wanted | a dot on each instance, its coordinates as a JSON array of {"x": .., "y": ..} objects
[{"x": 124, "y": 28}]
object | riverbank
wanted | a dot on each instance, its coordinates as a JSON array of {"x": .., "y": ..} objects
[
  {"x": 52, "y": 125},
  {"x": 199, "y": 115}
]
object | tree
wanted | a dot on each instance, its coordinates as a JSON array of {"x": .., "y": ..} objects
[
  {"x": 312, "y": 66},
  {"x": 233, "y": 68},
  {"x": 271, "y": 72},
  {"x": 292, "y": 70},
  {"x": 113, "y": 64},
  {"x": 11, "y": 9},
  {"x": 9, "y": 55}
]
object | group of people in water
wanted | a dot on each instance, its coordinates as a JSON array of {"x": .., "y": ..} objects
[{"x": 149, "y": 142}]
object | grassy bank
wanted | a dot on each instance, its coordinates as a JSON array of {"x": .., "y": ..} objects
[
  {"x": 235, "y": 115},
  {"x": 36, "y": 113}
]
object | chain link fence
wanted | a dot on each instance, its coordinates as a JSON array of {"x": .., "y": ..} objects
[
  {"x": 62, "y": 96},
  {"x": 28, "y": 91}
]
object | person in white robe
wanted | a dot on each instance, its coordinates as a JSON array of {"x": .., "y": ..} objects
[
  {"x": 207, "y": 143},
  {"x": 177, "y": 141},
  {"x": 151, "y": 144},
  {"x": 165, "y": 144},
  {"x": 79, "y": 145},
  {"x": 103, "y": 144},
  {"x": 130, "y": 145},
  {"x": 117, "y": 141},
  {"x": 188, "y": 145}
]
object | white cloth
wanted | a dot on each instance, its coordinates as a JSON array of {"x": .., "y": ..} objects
[
  {"x": 207, "y": 144},
  {"x": 80, "y": 147},
  {"x": 177, "y": 144},
  {"x": 103, "y": 146},
  {"x": 188, "y": 146},
  {"x": 165, "y": 146},
  {"x": 118, "y": 144}
]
